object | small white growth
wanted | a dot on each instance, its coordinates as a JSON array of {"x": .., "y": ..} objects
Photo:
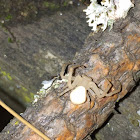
[
  {"x": 47, "y": 84},
  {"x": 56, "y": 83},
  {"x": 101, "y": 15},
  {"x": 138, "y": 112},
  {"x": 78, "y": 95},
  {"x": 36, "y": 97},
  {"x": 50, "y": 55}
]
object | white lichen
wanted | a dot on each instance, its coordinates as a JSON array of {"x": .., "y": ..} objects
[
  {"x": 106, "y": 12},
  {"x": 44, "y": 90},
  {"x": 138, "y": 112},
  {"x": 47, "y": 86}
]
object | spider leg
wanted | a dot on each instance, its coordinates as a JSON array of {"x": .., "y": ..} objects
[
  {"x": 107, "y": 88},
  {"x": 95, "y": 90},
  {"x": 63, "y": 71},
  {"x": 92, "y": 99},
  {"x": 109, "y": 85},
  {"x": 65, "y": 91},
  {"x": 73, "y": 85},
  {"x": 115, "y": 91},
  {"x": 91, "y": 92},
  {"x": 70, "y": 77},
  {"x": 76, "y": 81},
  {"x": 100, "y": 93}
]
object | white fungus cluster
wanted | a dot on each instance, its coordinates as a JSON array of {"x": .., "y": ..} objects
[{"x": 104, "y": 13}]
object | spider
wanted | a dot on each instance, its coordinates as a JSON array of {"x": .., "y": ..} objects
[{"x": 86, "y": 82}]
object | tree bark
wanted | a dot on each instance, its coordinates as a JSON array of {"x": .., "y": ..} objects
[{"x": 114, "y": 55}]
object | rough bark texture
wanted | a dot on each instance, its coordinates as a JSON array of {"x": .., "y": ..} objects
[{"x": 114, "y": 55}]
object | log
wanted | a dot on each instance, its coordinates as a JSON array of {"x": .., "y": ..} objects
[{"x": 113, "y": 55}]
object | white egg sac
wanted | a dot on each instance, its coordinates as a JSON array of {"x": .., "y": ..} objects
[{"x": 78, "y": 95}]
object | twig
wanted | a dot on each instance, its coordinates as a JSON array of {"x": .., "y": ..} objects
[{"x": 23, "y": 120}]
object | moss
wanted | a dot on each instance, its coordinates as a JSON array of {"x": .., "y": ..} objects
[
  {"x": 8, "y": 17},
  {"x": 65, "y": 3},
  {"x": 26, "y": 96},
  {"x": 27, "y": 99},
  {"x": 51, "y": 5},
  {"x": 25, "y": 11},
  {"x": 133, "y": 118},
  {"x": 24, "y": 89},
  {"x": 134, "y": 122},
  {"x": 17, "y": 122},
  {"x": 20, "y": 93},
  {"x": 99, "y": 136},
  {"x": 84, "y": 1},
  {"x": 10, "y": 40},
  {"x": 9, "y": 77},
  {"x": 5, "y": 74}
]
